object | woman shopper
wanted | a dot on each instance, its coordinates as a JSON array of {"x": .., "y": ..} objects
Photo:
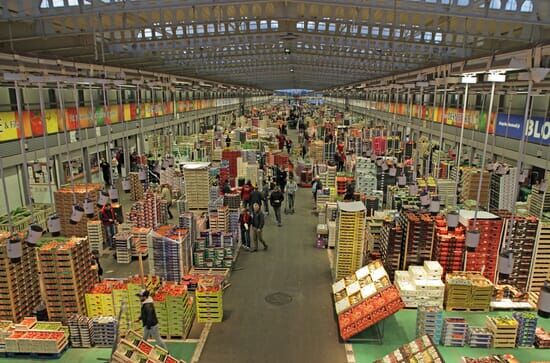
[
  {"x": 290, "y": 190},
  {"x": 244, "y": 222}
]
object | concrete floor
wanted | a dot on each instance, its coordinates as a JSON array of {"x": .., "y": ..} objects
[{"x": 303, "y": 330}]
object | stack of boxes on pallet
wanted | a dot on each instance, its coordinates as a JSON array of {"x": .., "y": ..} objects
[
  {"x": 540, "y": 268},
  {"x": 80, "y": 331},
  {"x": 136, "y": 187},
  {"x": 19, "y": 281},
  {"x": 504, "y": 330},
  {"x": 465, "y": 291},
  {"x": 123, "y": 247},
  {"x": 446, "y": 189},
  {"x": 479, "y": 337},
  {"x": 429, "y": 321},
  {"x": 539, "y": 200},
  {"x": 365, "y": 176},
  {"x": 527, "y": 327},
  {"x": 196, "y": 179},
  {"x": 523, "y": 233},
  {"x": 175, "y": 311},
  {"x": 502, "y": 190},
  {"x": 455, "y": 331},
  {"x": 66, "y": 276},
  {"x": 147, "y": 213},
  {"x": 104, "y": 331},
  {"x": 140, "y": 239},
  {"x": 490, "y": 229},
  {"x": 169, "y": 253},
  {"x": 64, "y": 202},
  {"x": 391, "y": 242},
  {"x": 95, "y": 236},
  {"x": 421, "y": 285},
  {"x": 470, "y": 183},
  {"x": 449, "y": 245},
  {"x": 350, "y": 238},
  {"x": 419, "y": 240},
  {"x": 209, "y": 301}
]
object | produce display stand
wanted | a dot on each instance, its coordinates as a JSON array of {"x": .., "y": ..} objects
[
  {"x": 209, "y": 301},
  {"x": 364, "y": 299},
  {"x": 421, "y": 349},
  {"x": 350, "y": 241},
  {"x": 504, "y": 330},
  {"x": 467, "y": 291},
  {"x": 134, "y": 349}
]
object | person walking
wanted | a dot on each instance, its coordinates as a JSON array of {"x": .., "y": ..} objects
[
  {"x": 290, "y": 190},
  {"x": 109, "y": 219},
  {"x": 245, "y": 193},
  {"x": 266, "y": 190},
  {"x": 148, "y": 318},
  {"x": 96, "y": 265},
  {"x": 255, "y": 197},
  {"x": 288, "y": 145},
  {"x": 228, "y": 141},
  {"x": 350, "y": 192},
  {"x": 276, "y": 200},
  {"x": 244, "y": 222},
  {"x": 257, "y": 222},
  {"x": 315, "y": 187},
  {"x": 105, "y": 169},
  {"x": 226, "y": 189},
  {"x": 166, "y": 195}
]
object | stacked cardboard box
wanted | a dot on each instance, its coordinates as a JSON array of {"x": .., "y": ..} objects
[
  {"x": 81, "y": 331},
  {"x": 66, "y": 276},
  {"x": 19, "y": 281},
  {"x": 540, "y": 268},
  {"x": 421, "y": 285},
  {"x": 479, "y": 337},
  {"x": 502, "y": 190},
  {"x": 104, "y": 331},
  {"x": 539, "y": 201},
  {"x": 209, "y": 301},
  {"x": 136, "y": 187},
  {"x": 196, "y": 185},
  {"x": 147, "y": 213},
  {"x": 169, "y": 253},
  {"x": 527, "y": 326},
  {"x": 419, "y": 239},
  {"x": 391, "y": 244},
  {"x": 64, "y": 202},
  {"x": 365, "y": 176},
  {"x": 446, "y": 189},
  {"x": 95, "y": 236},
  {"x": 455, "y": 331},
  {"x": 429, "y": 321},
  {"x": 175, "y": 310},
  {"x": 470, "y": 182}
]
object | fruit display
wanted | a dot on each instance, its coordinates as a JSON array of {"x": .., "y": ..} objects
[
  {"x": 133, "y": 349},
  {"x": 542, "y": 339},
  {"x": 449, "y": 245},
  {"x": 30, "y": 336},
  {"x": 209, "y": 300},
  {"x": 419, "y": 350},
  {"x": 19, "y": 281},
  {"x": 175, "y": 310}
]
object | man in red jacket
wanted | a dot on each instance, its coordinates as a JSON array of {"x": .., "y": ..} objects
[
  {"x": 109, "y": 219},
  {"x": 245, "y": 193}
]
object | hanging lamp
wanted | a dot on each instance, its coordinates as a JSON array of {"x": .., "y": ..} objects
[
  {"x": 77, "y": 210},
  {"x": 34, "y": 231}
]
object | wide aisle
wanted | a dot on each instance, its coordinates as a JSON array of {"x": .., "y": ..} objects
[{"x": 304, "y": 329}]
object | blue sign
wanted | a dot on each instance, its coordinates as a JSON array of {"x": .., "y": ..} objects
[{"x": 537, "y": 129}]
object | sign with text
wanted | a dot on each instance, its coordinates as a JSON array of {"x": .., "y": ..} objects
[{"x": 537, "y": 129}]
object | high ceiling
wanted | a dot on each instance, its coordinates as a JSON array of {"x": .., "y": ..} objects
[{"x": 271, "y": 44}]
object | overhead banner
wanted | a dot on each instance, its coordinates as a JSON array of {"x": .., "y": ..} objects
[{"x": 537, "y": 129}]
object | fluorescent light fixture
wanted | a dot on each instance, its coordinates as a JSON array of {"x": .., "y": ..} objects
[
  {"x": 468, "y": 79},
  {"x": 497, "y": 77},
  {"x": 203, "y": 84}
]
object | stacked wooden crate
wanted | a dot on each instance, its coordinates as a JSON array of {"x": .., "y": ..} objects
[
  {"x": 523, "y": 233},
  {"x": 123, "y": 246},
  {"x": 19, "y": 282},
  {"x": 391, "y": 243},
  {"x": 175, "y": 310},
  {"x": 446, "y": 189},
  {"x": 350, "y": 241},
  {"x": 502, "y": 190},
  {"x": 197, "y": 183},
  {"x": 467, "y": 291},
  {"x": 66, "y": 276},
  {"x": 141, "y": 241},
  {"x": 484, "y": 257},
  {"x": 539, "y": 201},
  {"x": 470, "y": 183},
  {"x": 540, "y": 265},
  {"x": 95, "y": 236},
  {"x": 419, "y": 239},
  {"x": 64, "y": 202},
  {"x": 136, "y": 186},
  {"x": 146, "y": 213},
  {"x": 504, "y": 329},
  {"x": 209, "y": 297},
  {"x": 448, "y": 245}
]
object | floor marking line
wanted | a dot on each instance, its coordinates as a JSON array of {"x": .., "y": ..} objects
[
  {"x": 350, "y": 355},
  {"x": 202, "y": 341}
]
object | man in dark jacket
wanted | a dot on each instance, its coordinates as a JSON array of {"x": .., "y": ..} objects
[
  {"x": 257, "y": 222},
  {"x": 149, "y": 319},
  {"x": 245, "y": 193},
  {"x": 109, "y": 219},
  {"x": 276, "y": 200},
  {"x": 255, "y": 197}
]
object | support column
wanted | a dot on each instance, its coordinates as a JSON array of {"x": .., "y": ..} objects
[{"x": 86, "y": 165}]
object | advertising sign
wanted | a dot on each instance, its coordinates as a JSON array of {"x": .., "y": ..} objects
[{"x": 537, "y": 129}]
